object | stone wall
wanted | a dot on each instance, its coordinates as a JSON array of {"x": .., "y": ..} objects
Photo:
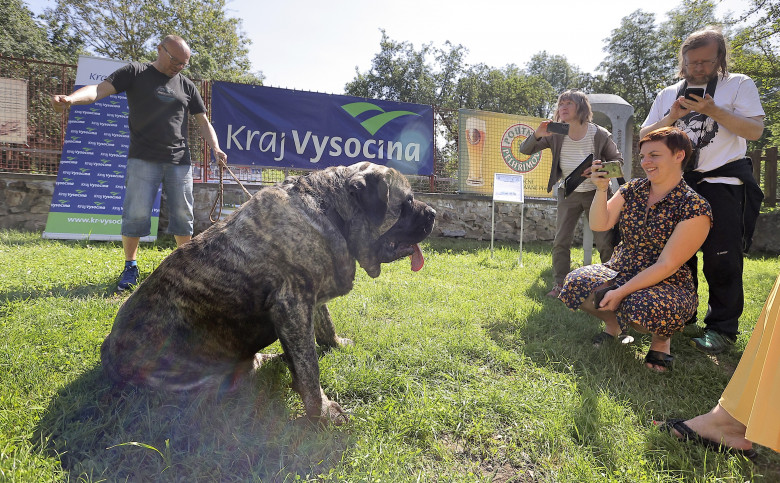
[{"x": 25, "y": 200}]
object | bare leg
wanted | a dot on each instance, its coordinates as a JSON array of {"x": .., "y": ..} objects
[
  {"x": 611, "y": 325},
  {"x": 661, "y": 344},
  {"x": 182, "y": 239},
  {"x": 130, "y": 246},
  {"x": 719, "y": 426}
]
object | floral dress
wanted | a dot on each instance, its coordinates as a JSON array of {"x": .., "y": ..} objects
[{"x": 662, "y": 308}]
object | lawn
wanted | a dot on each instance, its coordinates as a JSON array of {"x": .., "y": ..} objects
[{"x": 463, "y": 371}]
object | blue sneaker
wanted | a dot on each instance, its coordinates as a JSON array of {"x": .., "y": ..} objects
[{"x": 128, "y": 279}]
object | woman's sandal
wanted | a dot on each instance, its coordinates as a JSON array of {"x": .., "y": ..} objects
[
  {"x": 599, "y": 339},
  {"x": 660, "y": 359},
  {"x": 690, "y": 435}
]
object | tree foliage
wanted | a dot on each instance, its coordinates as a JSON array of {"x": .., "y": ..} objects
[
  {"x": 21, "y": 35},
  {"x": 688, "y": 17},
  {"x": 755, "y": 53},
  {"x": 132, "y": 30},
  {"x": 636, "y": 66},
  {"x": 559, "y": 73},
  {"x": 441, "y": 77}
]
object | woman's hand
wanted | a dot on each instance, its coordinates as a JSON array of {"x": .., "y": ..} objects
[
  {"x": 542, "y": 131},
  {"x": 611, "y": 300},
  {"x": 599, "y": 178}
]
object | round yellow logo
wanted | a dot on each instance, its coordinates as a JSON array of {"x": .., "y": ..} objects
[{"x": 511, "y": 140}]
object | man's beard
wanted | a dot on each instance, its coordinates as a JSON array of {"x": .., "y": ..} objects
[{"x": 701, "y": 79}]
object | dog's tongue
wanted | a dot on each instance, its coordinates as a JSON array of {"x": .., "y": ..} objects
[{"x": 417, "y": 258}]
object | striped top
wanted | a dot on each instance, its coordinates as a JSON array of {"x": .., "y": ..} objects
[{"x": 574, "y": 152}]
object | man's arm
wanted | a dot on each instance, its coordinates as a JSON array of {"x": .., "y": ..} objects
[
  {"x": 208, "y": 133},
  {"x": 85, "y": 95},
  {"x": 675, "y": 112},
  {"x": 749, "y": 128}
]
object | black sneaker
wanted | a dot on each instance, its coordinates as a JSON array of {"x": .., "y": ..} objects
[{"x": 128, "y": 279}]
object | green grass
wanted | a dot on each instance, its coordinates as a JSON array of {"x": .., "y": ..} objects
[{"x": 464, "y": 371}]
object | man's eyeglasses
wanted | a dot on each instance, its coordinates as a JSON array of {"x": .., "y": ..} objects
[
  {"x": 703, "y": 63},
  {"x": 175, "y": 62}
]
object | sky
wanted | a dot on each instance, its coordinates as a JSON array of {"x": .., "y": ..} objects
[{"x": 316, "y": 45}]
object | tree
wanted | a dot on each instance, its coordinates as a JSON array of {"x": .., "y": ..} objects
[
  {"x": 755, "y": 53},
  {"x": 636, "y": 66},
  {"x": 401, "y": 73},
  {"x": 22, "y": 36},
  {"x": 440, "y": 77},
  {"x": 687, "y": 18},
  {"x": 558, "y": 73},
  {"x": 132, "y": 30},
  {"x": 556, "y": 70}
]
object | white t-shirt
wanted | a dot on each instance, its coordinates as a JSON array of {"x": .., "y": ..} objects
[
  {"x": 573, "y": 153},
  {"x": 737, "y": 93}
]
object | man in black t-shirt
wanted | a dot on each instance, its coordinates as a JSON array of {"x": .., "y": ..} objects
[{"x": 160, "y": 101}]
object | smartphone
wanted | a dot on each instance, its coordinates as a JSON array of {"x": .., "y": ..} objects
[
  {"x": 612, "y": 168},
  {"x": 558, "y": 128},
  {"x": 697, "y": 91}
]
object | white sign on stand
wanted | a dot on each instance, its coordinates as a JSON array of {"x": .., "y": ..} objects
[{"x": 508, "y": 188}]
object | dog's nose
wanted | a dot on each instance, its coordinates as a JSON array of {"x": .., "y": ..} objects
[{"x": 430, "y": 212}]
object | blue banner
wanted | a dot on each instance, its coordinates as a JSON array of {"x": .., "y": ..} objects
[
  {"x": 272, "y": 127},
  {"x": 89, "y": 192}
]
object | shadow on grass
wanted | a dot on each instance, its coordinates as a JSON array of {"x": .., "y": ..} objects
[
  {"x": 105, "y": 290},
  {"x": 99, "y": 432},
  {"x": 468, "y": 246},
  {"x": 558, "y": 339}
]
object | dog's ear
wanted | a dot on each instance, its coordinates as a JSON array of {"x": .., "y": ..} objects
[{"x": 371, "y": 193}]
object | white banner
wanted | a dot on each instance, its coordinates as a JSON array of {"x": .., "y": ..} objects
[{"x": 13, "y": 111}]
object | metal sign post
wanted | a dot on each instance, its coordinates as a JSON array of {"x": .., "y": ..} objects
[{"x": 507, "y": 188}]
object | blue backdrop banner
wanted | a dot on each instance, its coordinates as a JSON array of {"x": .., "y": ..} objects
[
  {"x": 268, "y": 126},
  {"x": 90, "y": 188}
]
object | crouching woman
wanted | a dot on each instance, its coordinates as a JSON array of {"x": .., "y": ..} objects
[{"x": 663, "y": 222}]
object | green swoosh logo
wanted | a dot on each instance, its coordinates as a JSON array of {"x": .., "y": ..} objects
[{"x": 374, "y": 123}]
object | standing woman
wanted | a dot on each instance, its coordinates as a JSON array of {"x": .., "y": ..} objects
[
  {"x": 663, "y": 222},
  {"x": 568, "y": 152}
]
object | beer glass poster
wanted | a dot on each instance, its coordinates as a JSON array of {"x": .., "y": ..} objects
[{"x": 489, "y": 143}]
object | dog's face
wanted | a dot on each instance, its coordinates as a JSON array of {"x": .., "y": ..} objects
[{"x": 389, "y": 223}]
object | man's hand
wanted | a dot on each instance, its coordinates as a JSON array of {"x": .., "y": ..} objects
[
  {"x": 220, "y": 156},
  {"x": 61, "y": 102},
  {"x": 703, "y": 105},
  {"x": 678, "y": 109}
]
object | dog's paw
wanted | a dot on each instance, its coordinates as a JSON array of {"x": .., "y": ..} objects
[
  {"x": 332, "y": 412},
  {"x": 343, "y": 341}
]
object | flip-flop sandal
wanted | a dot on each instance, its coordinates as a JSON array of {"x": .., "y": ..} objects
[
  {"x": 599, "y": 339},
  {"x": 658, "y": 358},
  {"x": 691, "y": 435}
]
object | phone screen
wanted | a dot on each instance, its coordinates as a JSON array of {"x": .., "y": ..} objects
[
  {"x": 558, "y": 127},
  {"x": 612, "y": 168},
  {"x": 697, "y": 91}
]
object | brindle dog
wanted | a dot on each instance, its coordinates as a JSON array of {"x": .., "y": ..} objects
[{"x": 266, "y": 273}]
